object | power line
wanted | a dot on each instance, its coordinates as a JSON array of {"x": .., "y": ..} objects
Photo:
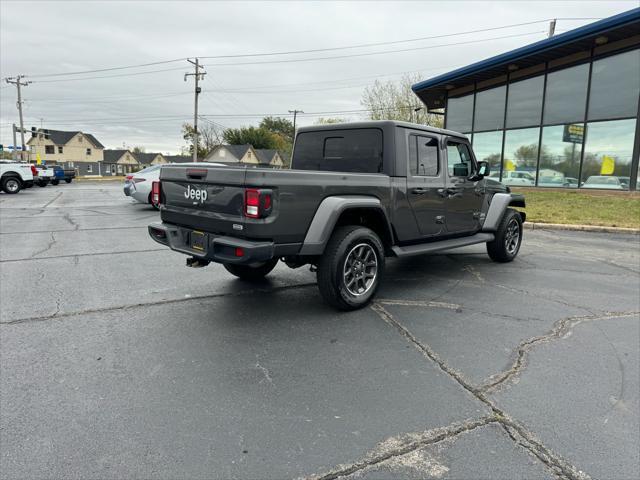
[
  {"x": 110, "y": 76},
  {"x": 80, "y": 72},
  {"x": 312, "y": 59}
]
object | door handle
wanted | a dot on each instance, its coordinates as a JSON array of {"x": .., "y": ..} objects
[
  {"x": 419, "y": 190},
  {"x": 449, "y": 192}
]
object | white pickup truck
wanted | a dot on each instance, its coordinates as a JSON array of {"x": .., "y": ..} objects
[
  {"x": 45, "y": 175},
  {"x": 15, "y": 176}
]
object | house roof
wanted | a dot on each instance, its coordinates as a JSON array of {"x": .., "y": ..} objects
[
  {"x": 178, "y": 158},
  {"x": 238, "y": 151},
  {"x": 265, "y": 155},
  {"x": 144, "y": 157},
  {"x": 618, "y": 27},
  {"x": 112, "y": 156},
  {"x": 61, "y": 137}
]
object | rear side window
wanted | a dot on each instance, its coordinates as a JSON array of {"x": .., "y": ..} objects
[
  {"x": 423, "y": 155},
  {"x": 356, "y": 150}
]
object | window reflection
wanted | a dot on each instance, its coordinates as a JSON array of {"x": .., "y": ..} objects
[
  {"x": 490, "y": 109},
  {"x": 488, "y": 148},
  {"x": 460, "y": 113},
  {"x": 520, "y": 156},
  {"x": 566, "y": 96},
  {"x": 524, "y": 105},
  {"x": 615, "y": 85},
  {"x": 607, "y": 154},
  {"x": 560, "y": 155}
]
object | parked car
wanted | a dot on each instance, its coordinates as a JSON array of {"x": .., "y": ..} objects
[
  {"x": 61, "y": 173},
  {"x": 356, "y": 193},
  {"x": 515, "y": 177},
  {"x": 15, "y": 176},
  {"x": 45, "y": 175},
  {"x": 138, "y": 185},
  {"x": 557, "y": 182},
  {"x": 602, "y": 181}
]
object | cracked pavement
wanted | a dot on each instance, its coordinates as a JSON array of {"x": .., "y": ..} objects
[{"x": 116, "y": 361}]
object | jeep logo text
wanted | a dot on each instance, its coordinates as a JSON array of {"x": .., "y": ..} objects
[{"x": 200, "y": 195}]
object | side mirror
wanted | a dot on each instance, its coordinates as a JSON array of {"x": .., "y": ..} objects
[
  {"x": 460, "y": 170},
  {"x": 483, "y": 169}
]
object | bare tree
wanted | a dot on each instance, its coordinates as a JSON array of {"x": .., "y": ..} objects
[
  {"x": 396, "y": 101},
  {"x": 209, "y": 137}
]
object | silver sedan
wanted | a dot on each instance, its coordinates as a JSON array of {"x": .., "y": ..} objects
[{"x": 138, "y": 185}]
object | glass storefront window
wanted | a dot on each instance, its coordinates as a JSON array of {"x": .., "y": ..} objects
[
  {"x": 615, "y": 85},
  {"x": 524, "y": 105},
  {"x": 520, "y": 156},
  {"x": 490, "y": 109},
  {"x": 488, "y": 148},
  {"x": 566, "y": 96},
  {"x": 460, "y": 113},
  {"x": 560, "y": 155},
  {"x": 607, "y": 154}
]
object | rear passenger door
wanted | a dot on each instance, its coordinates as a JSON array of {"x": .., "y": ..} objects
[
  {"x": 425, "y": 177},
  {"x": 464, "y": 198}
]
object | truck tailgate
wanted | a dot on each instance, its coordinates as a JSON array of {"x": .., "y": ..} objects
[{"x": 208, "y": 198}]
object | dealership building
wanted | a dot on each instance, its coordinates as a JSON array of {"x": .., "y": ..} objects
[{"x": 562, "y": 112}]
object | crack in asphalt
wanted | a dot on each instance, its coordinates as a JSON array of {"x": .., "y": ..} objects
[
  {"x": 45, "y": 249},
  {"x": 402, "y": 445},
  {"x": 52, "y": 200},
  {"x": 560, "y": 329},
  {"x": 95, "y": 254},
  {"x": 557, "y": 464},
  {"x": 77, "y": 229},
  {"x": 156, "y": 302},
  {"x": 67, "y": 218}
]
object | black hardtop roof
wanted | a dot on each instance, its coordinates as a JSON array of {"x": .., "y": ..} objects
[{"x": 382, "y": 124}]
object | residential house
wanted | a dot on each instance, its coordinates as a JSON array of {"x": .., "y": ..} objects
[
  {"x": 178, "y": 158},
  {"x": 75, "y": 149},
  {"x": 119, "y": 162},
  {"x": 245, "y": 154},
  {"x": 147, "y": 159}
]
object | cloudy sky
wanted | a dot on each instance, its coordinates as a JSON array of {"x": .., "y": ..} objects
[{"x": 50, "y": 41}]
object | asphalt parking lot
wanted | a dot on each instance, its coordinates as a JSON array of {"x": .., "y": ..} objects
[{"x": 117, "y": 361}]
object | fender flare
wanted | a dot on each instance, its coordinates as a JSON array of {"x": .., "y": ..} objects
[
  {"x": 327, "y": 216},
  {"x": 499, "y": 204}
]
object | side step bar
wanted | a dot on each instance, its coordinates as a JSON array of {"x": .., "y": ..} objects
[{"x": 442, "y": 245}]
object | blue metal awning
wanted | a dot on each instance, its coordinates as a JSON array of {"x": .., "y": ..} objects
[{"x": 618, "y": 27}]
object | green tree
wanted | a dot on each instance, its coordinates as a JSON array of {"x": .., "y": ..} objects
[
  {"x": 279, "y": 126},
  {"x": 258, "y": 137},
  {"x": 396, "y": 101}
]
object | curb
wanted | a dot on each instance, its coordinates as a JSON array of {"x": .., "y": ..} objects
[{"x": 580, "y": 228}]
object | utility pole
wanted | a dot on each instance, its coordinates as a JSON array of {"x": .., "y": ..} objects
[
  {"x": 17, "y": 81},
  {"x": 295, "y": 114},
  {"x": 552, "y": 27},
  {"x": 14, "y": 154},
  {"x": 198, "y": 76}
]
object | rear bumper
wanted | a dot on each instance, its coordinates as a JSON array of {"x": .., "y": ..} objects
[{"x": 221, "y": 249}]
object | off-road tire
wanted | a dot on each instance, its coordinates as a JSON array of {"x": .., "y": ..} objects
[
  {"x": 253, "y": 272},
  {"x": 55, "y": 182},
  {"x": 68, "y": 180},
  {"x": 42, "y": 184},
  {"x": 502, "y": 249},
  {"x": 331, "y": 274},
  {"x": 11, "y": 185}
]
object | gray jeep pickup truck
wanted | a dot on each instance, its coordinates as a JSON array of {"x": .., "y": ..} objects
[{"x": 355, "y": 194}]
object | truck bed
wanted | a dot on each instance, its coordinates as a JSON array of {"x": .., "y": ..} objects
[{"x": 296, "y": 196}]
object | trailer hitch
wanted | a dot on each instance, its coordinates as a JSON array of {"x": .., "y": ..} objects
[{"x": 195, "y": 262}]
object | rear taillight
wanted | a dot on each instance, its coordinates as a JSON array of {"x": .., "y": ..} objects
[
  {"x": 128, "y": 177},
  {"x": 257, "y": 203},
  {"x": 156, "y": 193},
  {"x": 34, "y": 171}
]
